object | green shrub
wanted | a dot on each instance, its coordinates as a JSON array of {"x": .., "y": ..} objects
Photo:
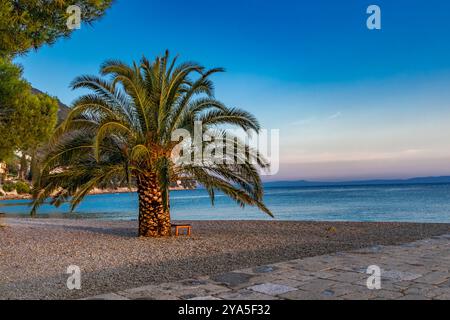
[
  {"x": 9, "y": 187},
  {"x": 23, "y": 187}
]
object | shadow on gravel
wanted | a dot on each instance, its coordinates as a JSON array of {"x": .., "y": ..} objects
[{"x": 115, "y": 231}]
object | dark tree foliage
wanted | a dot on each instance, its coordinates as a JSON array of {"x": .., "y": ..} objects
[{"x": 29, "y": 24}]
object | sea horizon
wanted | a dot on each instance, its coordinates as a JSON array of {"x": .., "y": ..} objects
[{"x": 419, "y": 203}]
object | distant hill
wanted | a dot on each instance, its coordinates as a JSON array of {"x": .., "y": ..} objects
[
  {"x": 305, "y": 183},
  {"x": 63, "y": 109}
]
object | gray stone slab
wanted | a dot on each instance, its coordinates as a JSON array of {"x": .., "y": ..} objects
[
  {"x": 245, "y": 294},
  {"x": 265, "y": 269},
  {"x": 308, "y": 295},
  {"x": 397, "y": 275},
  {"x": 445, "y": 296},
  {"x": 434, "y": 278},
  {"x": 205, "y": 298},
  {"x": 272, "y": 289},
  {"x": 232, "y": 279},
  {"x": 108, "y": 296},
  {"x": 413, "y": 297}
]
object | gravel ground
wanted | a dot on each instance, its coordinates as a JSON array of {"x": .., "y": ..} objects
[{"x": 35, "y": 253}]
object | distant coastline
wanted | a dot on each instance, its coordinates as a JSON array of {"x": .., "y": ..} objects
[
  {"x": 306, "y": 183},
  {"x": 278, "y": 184},
  {"x": 15, "y": 196}
]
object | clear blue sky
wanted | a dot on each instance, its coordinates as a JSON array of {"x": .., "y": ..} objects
[{"x": 351, "y": 103}]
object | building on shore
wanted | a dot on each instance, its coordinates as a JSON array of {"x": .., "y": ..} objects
[
  {"x": 2, "y": 168},
  {"x": 3, "y": 171}
]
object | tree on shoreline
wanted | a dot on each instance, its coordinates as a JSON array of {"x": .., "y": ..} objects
[
  {"x": 124, "y": 128},
  {"x": 34, "y": 123},
  {"x": 13, "y": 90},
  {"x": 26, "y": 119}
]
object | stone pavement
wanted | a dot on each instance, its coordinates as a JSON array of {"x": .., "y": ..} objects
[{"x": 413, "y": 271}]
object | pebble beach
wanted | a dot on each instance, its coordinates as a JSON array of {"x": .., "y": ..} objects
[{"x": 35, "y": 253}]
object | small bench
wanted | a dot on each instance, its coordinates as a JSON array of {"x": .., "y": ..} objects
[{"x": 180, "y": 227}]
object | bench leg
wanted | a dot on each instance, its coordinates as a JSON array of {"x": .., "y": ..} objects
[{"x": 183, "y": 231}]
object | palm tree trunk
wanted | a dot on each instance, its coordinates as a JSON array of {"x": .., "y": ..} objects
[{"x": 154, "y": 216}]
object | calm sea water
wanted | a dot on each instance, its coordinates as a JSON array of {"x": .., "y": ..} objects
[{"x": 414, "y": 203}]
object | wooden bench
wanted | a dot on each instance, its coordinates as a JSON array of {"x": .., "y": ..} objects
[{"x": 180, "y": 227}]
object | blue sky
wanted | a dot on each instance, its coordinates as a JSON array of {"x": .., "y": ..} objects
[{"x": 351, "y": 103}]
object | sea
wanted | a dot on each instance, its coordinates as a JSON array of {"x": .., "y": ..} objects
[{"x": 403, "y": 203}]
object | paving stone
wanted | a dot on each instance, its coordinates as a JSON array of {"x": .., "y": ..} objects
[
  {"x": 358, "y": 269},
  {"x": 205, "y": 298},
  {"x": 160, "y": 297},
  {"x": 342, "y": 289},
  {"x": 147, "y": 293},
  {"x": 213, "y": 289},
  {"x": 232, "y": 279},
  {"x": 317, "y": 285},
  {"x": 188, "y": 296},
  {"x": 434, "y": 278},
  {"x": 149, "y": 288},
  {"x": 175, "y": 289},
  {"x": 300, "y": 275},
  {"x": 272, "y": 289},
  {"x": 108, "y": 296},
  {"x": 245, "y": 294},
  {"x": 201, "y": 286},
  {"x": 289, "y": 282},
  {"x": 329, "y": 293},
  {"x": 194, "y": 282},
  {"x": 322, "y": 274},
  {"x": 308, "y": 295},
  {"x": 265, "y": 269},
  {"x": 397, "y": 275},
  {"x": 441, "y": 268},
  {"x": 262, "y": 278},
  {"x": 350, "y": 277},
  {"x": 387, "y": 284},
  {"x": 314, "y": 266},
  {"x": 370, "y": 250},
  {"x": 442, "y": 297},
  {"x": 369, "y": 295},
  {"x": 386, "y": 294},
  {"x": 413, "y": 297},
  {"x": 440, "y": 291},
  {"x": 445, "y": 284},
  {"x": 422, "y": 290}
]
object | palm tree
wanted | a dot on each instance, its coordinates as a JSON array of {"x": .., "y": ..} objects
[{"x": 122, "y": 131}]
